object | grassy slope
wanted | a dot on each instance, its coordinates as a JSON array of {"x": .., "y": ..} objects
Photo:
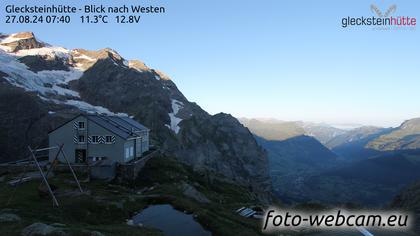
[
  {"x": 107, "y": 207},
  {"x": 81, "y": 214},
  {"x": 273, "y": 130},
  {"x": 405, "y": 137}
]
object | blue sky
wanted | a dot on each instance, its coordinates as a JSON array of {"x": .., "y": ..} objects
[{"x": 289, "y": 60}]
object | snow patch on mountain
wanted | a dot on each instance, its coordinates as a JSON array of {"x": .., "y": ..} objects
[
  {"x": 45, "y": 51},
  {"x": 176, "y": 106},
  {"x": 84, "y": 106},
  {"x": 126, "y": 63},
  {"x": 84, "y": 57},
  {"x": 5, "y": 48},
  {"x": 43, "y": 82},
  {"x": 48, "y": 84}
]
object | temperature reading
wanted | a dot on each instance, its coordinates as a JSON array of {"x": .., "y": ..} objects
[{"x": 94, "y": 19}]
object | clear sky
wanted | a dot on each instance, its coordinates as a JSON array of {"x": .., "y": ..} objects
[{"x": 289, "y": 60}]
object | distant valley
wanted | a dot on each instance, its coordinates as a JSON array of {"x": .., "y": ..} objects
[{"x": 317, "y": 162}]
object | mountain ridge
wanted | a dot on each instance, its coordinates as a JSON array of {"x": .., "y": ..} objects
[
  {"x": 404, "y": 137},
  {"x": 66, "y": 82},
  {"x": 273, "y": 129}
]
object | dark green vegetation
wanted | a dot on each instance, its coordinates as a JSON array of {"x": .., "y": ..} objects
[
  {"x": 371, "y": 182},
  {"x": 394, "y": 169},
  {"x": 294, "y": 160},
  {"x": 106, "y": 207},
  {"x": 409, "y": 200},
  {"x": 103, "y": 208},
  {"x": 218, "y": 216}
]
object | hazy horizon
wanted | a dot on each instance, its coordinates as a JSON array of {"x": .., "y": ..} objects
[
  {"x": 344, "y": 125},
  {"x": 266, "y": 61}
]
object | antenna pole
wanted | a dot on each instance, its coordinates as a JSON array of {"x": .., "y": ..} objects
[{"x": 43, "y": 176}]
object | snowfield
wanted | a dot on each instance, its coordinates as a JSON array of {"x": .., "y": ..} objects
[
  {"x": 176, "y": 106},
  {"x": 92, "y": 109},
  {"x": 84, "y": 57},
  {"x": 44, "y": 82},
  {"x": 45, "y": 51},
  {"x": 48, "y": 84}
]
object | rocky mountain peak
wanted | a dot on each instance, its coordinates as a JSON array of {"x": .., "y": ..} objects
[
  {"x": 162, "y": 75},
  {"x": 138, "y": 65},
  {"x": 228, "y": 120},
  {"x": 20, "y": 41},
  {"x": 413, "y": 124},
  {"x": 24, "y": 35},
  {"x": 84, "y": 59},
  {"x": 99, "y": 54},
  {"x": 111, "y": 53}
]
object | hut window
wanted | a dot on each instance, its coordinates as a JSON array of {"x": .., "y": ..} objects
[
  {"x": 127, "y": 153},
  {"x": 131, "y": 151},
  {"x": 95, "y": 139},
  {"x": 81, "y": 139},
  {"x": 108, "y": 139},
  {"x": 81, "y": 125}
]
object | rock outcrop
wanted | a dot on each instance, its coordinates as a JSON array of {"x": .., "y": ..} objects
[
  {"x": 20, "y": 41},
  {"x": 37, "y": 229}
]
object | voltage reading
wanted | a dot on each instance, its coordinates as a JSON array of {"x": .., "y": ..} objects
[{"x": 127, "y": 19}]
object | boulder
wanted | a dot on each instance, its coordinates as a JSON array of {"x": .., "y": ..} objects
[
  {"x": 9, "y": 217},
  {"x": 191, "y": 192},
  {"x": 37, "y": 229},
  {"x": 96, "y": 233}
]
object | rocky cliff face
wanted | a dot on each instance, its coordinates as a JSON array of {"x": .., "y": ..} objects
[
  {"x": 50, "y": 84},
  {"x": 217, "y": 142}
]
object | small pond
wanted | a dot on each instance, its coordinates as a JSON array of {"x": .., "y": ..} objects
[{"x": 170, "y": 221}]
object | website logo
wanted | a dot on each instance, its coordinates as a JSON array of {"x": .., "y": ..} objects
[
  {"x": 383, "y": 19},
  {"x": 374, "y": 8}
]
